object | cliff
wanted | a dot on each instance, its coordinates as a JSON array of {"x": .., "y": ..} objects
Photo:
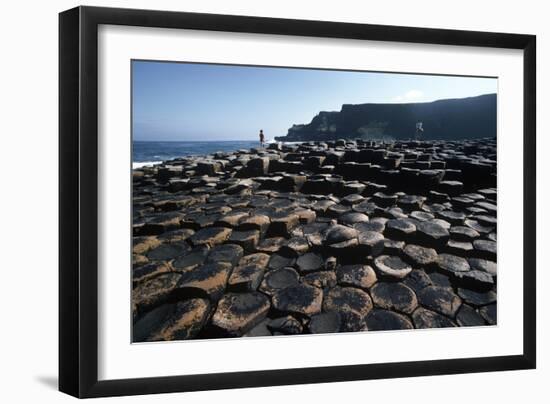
[{"x": 462, "y": 118}]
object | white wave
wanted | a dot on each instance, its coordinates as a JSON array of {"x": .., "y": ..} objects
[{"x": 144, "y": 164}]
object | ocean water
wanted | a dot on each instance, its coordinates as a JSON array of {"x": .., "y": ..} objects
[{"x": 149, "y": 153}]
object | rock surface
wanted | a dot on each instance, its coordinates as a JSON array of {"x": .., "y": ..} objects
[{"x": 318, "y": 237}]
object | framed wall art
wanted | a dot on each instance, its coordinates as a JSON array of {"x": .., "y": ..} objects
[{"x": 250, "y": 201}]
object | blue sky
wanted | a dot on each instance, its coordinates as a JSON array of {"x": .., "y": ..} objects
[{"x": 186, "y": 101}]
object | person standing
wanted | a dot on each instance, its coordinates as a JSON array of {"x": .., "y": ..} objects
[{"x": 262, "y": 138}]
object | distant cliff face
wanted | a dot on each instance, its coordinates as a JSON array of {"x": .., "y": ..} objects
[{"x": 463, "y": 118}]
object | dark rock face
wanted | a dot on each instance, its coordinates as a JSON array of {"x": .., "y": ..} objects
[
  {"x": 237, "y": 313},
  {"x": 333, "y": 236},
  {"x": 246, "y": 278},
  {"x": 325, "y": 323},
  {"x": 361, "y": 276},
  {"x": 210, "y": 279},
  {"x": 447, "y": 119},
  {"x": 440, "y": 299},
  {"x": 279, "y": 279},
  {"x": 301, "y": 299},
  {"x": 423, "y": 318},
  {"x": 309, "y": 262},
  {"x": 285, "y": 325},
  {"x": 182, "y": 320},
  {"x": 381, "y": 320},
  {"x": 420, "y": 256},
  {"x": 469, "y": 317},
  {"x": 394, "y": 296},
  {"x": 351, "y": 304},
  {"x": 392, "y": 267}
]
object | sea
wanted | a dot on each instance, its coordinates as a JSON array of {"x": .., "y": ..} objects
[{"x": 146, "y": 153}]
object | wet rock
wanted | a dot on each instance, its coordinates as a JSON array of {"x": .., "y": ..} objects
[
  {"x": 154, "y": 292},
  {"x": 383, "y": 320},
  {"x": 193, "y": 259},
  {"x": 417, "y": 280},
  {"x": 208, "y": 167},
  {"x": 423, "y": 318},
  {"x": 168, "y": 322},
  {"x": 338, "y": 210},
  {"x": 440, "y": 299},
  {"x": 352, "y": 218},
  {"x": 309, "y": 262},
  {"x": 483, "y": 265},
  {"x": 361, "y": 276},
  {"x": 421, "y": 216},
  {"x": 475, "y": 225},
  {"x": 306, "y": 216},
  {"x": 420, "y": 256},
  {"x": 455, "y": 218},
  {"x": 254, "y": 222},
  {"x": 295, "y": 247},
  {"x": 384, "y": 200},
  {"x": 431, "y": 234},
  {"x": 282, "y": 224},
  {"x": 248, "y": 239},
  {"x": 245, "y": 278},
  {"x": 439, "y": 279},
  {"x": 374, "y": 226},
  {"x": 325, "y": 323},
  {"x": 394, "y": 296},
  {"x": 271, "y": 245},
  {"x": 278, "y": 261},
  {"x": 393, "y": 247},
  {"x": 139, "y": 260},
  {"x": 321, "y": 279},
  {"x": 451, "y": 264},
  {"x": 340, "y": 238},
  {"x": 161, "y": 224},
  {"x": 286, "y": 325},
  {"x": 400, "y": 229},
  {"x": 231, "y": 219},
  {"x": 489, "y": 313},
  {"x": 166, "y": 252},
  {"x": 352, "y": 199},
  {"x": 142, "y": 245},
  {"x": 486, "y": 249},
  {"x": 460, "y": 248},
  {"x": 477, "y": 299},
  {"x": 451, "y": 188},
  {"x": 149, "y": 271},
  {"x": 238, "y": 313},
  {"x": 176, "y": 236},
  {"x": 474, "y": 279},
  {"x": 391, "y": 267},
  {"x": 210, "y": 279},
  {"x": 259, "y": 330},
  {"x": 210, "y": 236},
  {"x": 411, "y": 202},
  {"x": 230, "y": 253},
  {"x": 330, "y": 263},
  {"x": 370, "y": 243},
  {"x": 469, "y": 317},
  {"x": 300, "y": 299},
  {"x": 463, "y": 233},
  {"x": 352, "y": 304},
  {"x": 279, "y": 279}
]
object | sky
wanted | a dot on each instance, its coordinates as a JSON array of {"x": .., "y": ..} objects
[{"x": 189, "y": 101}]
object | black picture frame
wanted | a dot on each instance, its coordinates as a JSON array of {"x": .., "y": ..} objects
[{"x": 78, "y": 206}]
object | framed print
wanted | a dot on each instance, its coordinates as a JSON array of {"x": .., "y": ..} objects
[{"x": 251, "y": 201}]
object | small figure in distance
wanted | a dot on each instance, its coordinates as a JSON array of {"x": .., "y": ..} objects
[
  {"x": 262, "y": 138},
  {"x": 419, "y": 131}
]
